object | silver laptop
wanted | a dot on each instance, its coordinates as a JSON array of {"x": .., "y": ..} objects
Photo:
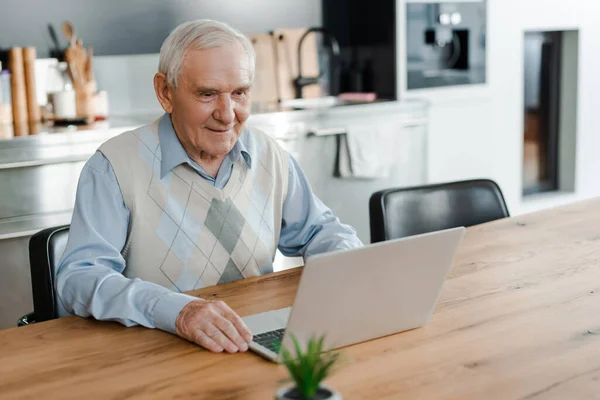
[{"x": 356, "y": 295}]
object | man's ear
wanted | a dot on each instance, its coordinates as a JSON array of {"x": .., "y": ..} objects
[{"x": 163, "y": 92}]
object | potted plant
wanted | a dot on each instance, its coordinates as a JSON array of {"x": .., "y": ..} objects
[{"x": 307, "y": 370}]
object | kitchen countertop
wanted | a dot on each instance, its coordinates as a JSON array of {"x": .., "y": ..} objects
[
  {"x": 7, "y": 131},
  {"x": 42, "y": 130},
  {"x": 56, "y": 144},
  {"x": 27, "y": 225}
]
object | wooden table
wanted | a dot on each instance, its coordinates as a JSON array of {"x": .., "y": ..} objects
[{"x": 519, "y": 318}]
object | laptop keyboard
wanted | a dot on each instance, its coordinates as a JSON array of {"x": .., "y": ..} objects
[{"x": 271, "y": 340}]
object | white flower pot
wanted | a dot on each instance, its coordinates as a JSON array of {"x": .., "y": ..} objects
[{"x": 284, "y": 394}]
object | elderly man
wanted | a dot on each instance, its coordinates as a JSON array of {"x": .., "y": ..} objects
[{"x": 194, "y": 199}]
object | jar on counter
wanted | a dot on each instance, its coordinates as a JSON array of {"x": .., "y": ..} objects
[
  {"x": 5, "y": 98},
  {"x": 61, "y": 96}
]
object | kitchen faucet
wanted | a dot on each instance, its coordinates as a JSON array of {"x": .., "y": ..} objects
[{"x": 333, "y": 47}]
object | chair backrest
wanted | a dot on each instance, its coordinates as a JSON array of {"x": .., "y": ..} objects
[
  {"x": 396, "y": 213},
  {"x": 45, "y": 250}
]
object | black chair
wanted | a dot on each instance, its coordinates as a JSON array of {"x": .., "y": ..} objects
[
  {"x": 45, "y": 250},
  {"x": 397, "y": 213}
]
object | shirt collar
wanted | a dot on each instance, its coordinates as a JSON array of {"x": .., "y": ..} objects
[{"x": 173, "y": 153}]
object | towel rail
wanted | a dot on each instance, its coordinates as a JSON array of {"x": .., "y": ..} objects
[{"x": 339, "y": 130}]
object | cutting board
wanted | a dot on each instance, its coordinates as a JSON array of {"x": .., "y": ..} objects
[{"x": 265, "y": 88}]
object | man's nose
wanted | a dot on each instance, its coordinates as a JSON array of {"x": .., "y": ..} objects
[{"x": 224, "y": 111}]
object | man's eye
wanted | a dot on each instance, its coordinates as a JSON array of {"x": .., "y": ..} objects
[{"x": 206, "y": 96}]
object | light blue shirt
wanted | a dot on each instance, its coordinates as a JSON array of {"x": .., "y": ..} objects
[{"x": 90, "y": 280}]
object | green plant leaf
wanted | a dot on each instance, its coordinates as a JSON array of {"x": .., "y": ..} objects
[
  {"x": 299, "y": 366},
  {"x": 290, "y": 364},
  {"x": 308, "y": 369},
  {"x": 325, "y": 368},
  {"x": 320, "y": 344}
]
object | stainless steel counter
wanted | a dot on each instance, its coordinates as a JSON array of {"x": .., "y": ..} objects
[
  {"x": 55, "y": 144},
  {"x": 39, "y": 174}
]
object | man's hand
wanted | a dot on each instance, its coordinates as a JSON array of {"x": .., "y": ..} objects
[{"x": 214, "y": 326}]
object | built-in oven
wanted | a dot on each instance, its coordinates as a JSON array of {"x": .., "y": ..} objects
[{"x": 445, "y": 43}]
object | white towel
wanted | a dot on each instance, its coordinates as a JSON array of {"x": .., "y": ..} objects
[{"x": 369, "y": 152}]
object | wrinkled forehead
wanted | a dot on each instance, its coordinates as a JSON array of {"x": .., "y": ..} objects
[{"x": 226, "y": 67}]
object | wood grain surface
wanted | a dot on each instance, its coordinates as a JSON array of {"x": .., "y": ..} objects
[
  {"x": 518, "y": 318},
  {"x": 265, "y": 88},
  {"x": 18, "y": 89}
]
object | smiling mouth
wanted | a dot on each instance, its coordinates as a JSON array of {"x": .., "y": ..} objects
[{"x": 219, "y": 130}]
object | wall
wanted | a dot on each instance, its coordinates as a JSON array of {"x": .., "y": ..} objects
[
  {"x": 478, "y": 131},
  {"x": 140, "y": 26}
]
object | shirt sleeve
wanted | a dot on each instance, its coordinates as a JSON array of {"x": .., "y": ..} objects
[
  {"x": 90, "y": 279},
  {"x": 309, "y": 227}
]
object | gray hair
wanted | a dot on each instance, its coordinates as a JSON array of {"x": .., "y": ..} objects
[{"x": 199, "y": 34}]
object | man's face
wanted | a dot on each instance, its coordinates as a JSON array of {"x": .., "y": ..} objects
[{"x": 212, "y": 99}]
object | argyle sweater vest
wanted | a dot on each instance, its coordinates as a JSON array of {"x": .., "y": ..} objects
[{"x": 184, "y": 233}]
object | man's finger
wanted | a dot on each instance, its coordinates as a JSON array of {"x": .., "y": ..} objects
[
  {"x": 229, "y": 329},
  {"x": 219, "y": 337},
  {"x": 239, "y": 324},
  {"x": 205, "y": 341}
]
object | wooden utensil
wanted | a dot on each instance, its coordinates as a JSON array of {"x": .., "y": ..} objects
[
  {"x": 79, "y": 61},
  {"x": 89, "y": 72},
  {"x": 69, "y": 32},
  {"x": 73, "y": 55},
  {"x": 77, "y": 58},
  {"x": 75, "y": 71}
]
